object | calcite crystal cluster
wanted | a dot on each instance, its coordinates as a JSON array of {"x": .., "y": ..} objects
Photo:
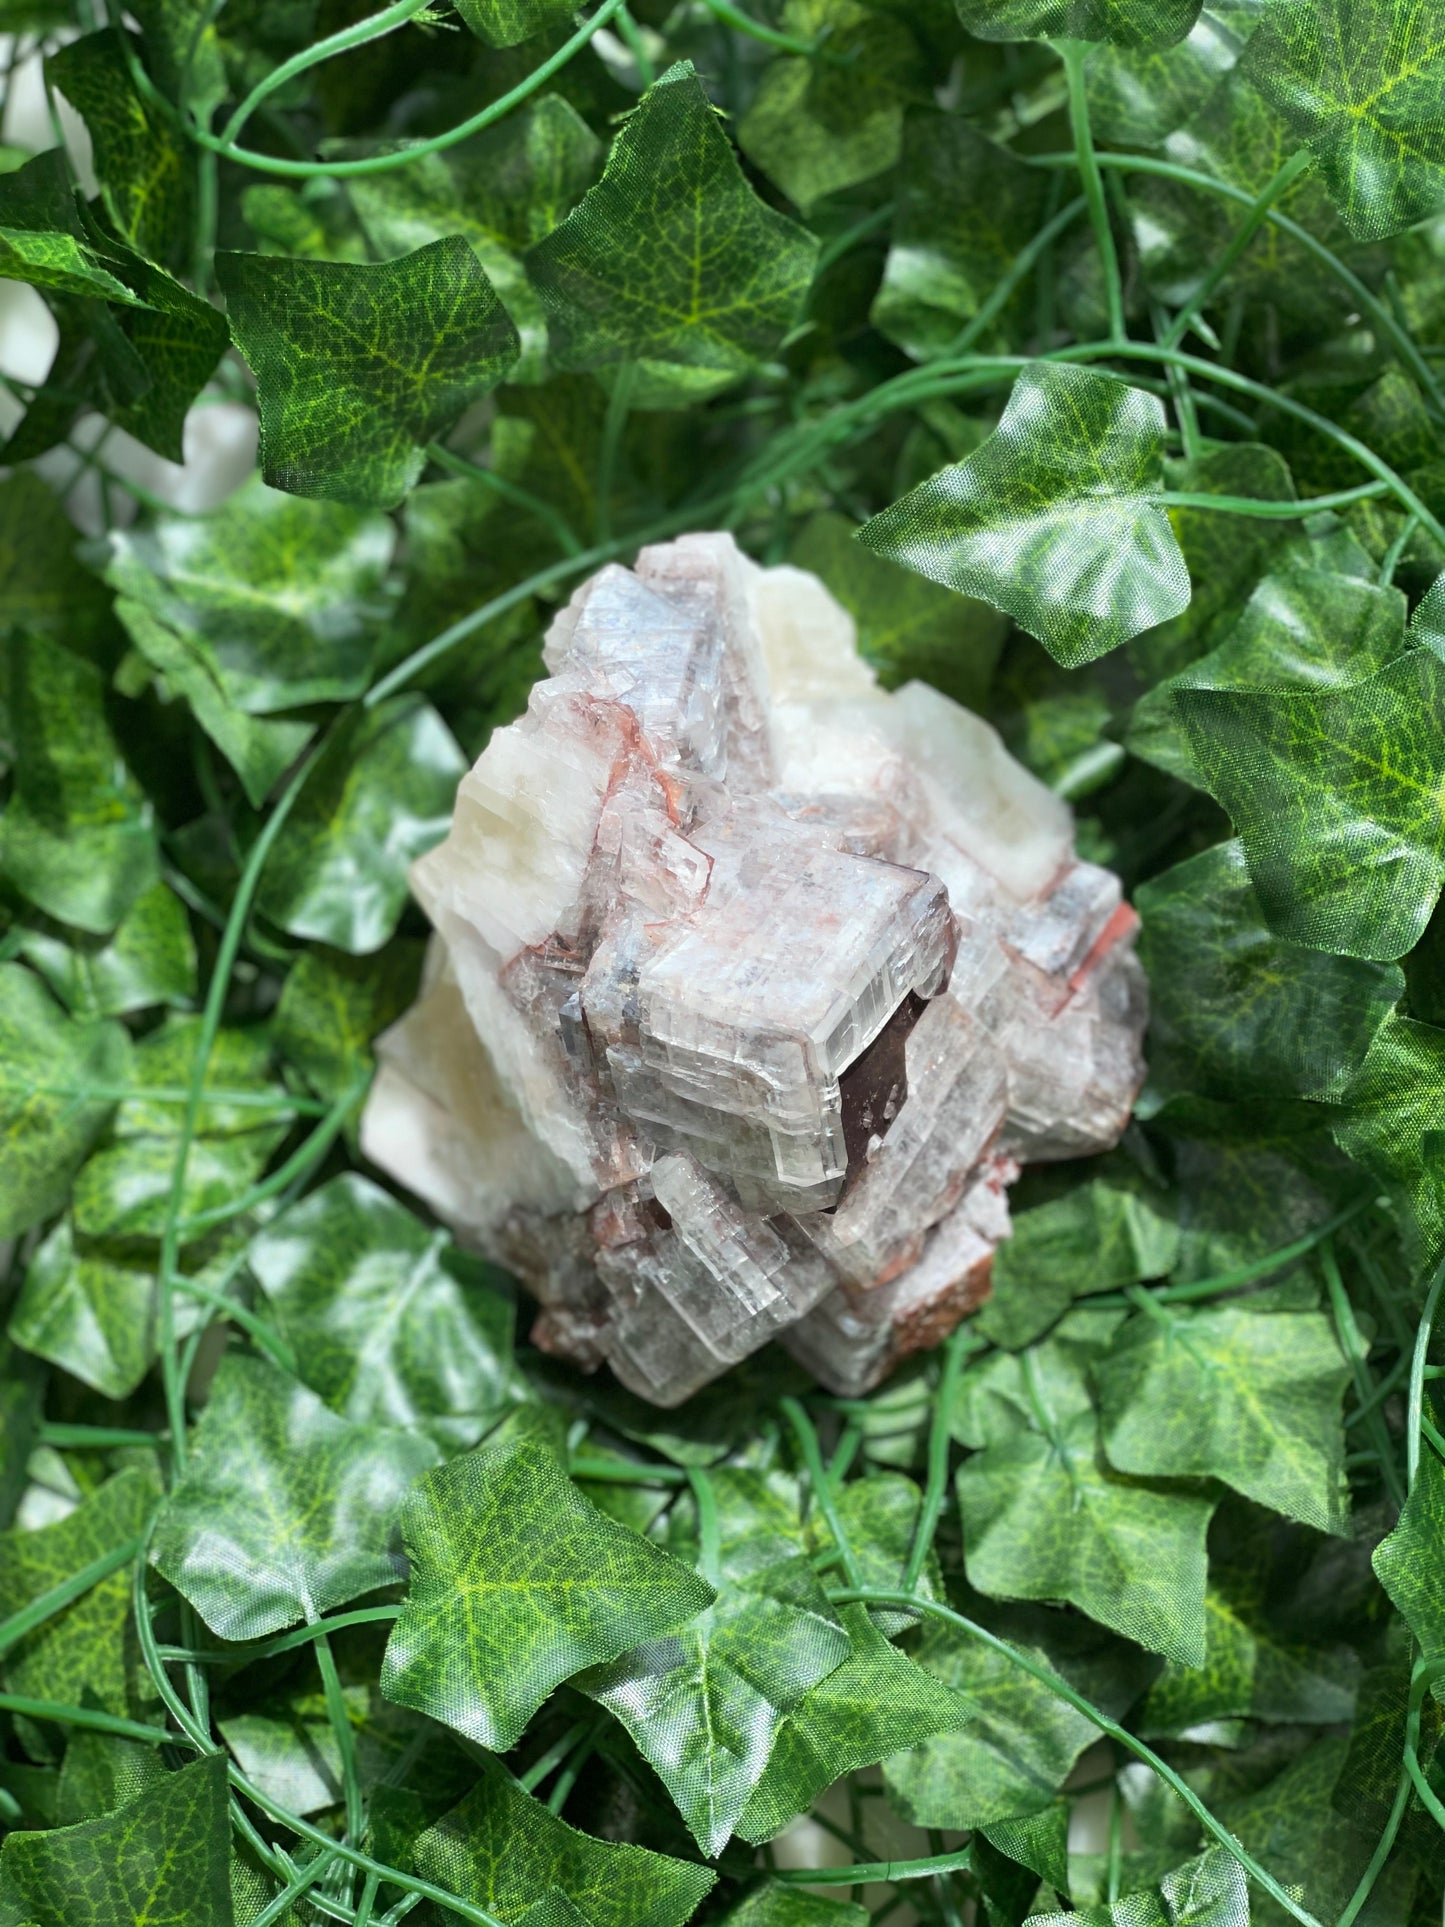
[{"x": 752, "y": 987}]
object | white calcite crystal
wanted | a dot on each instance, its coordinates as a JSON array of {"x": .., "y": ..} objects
[{"x": 752, "y": 987}]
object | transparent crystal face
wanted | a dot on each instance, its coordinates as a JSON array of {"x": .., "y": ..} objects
[{"x": 752, "y": 988}]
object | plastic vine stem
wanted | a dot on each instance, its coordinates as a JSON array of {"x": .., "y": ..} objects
[{"x": 1071, "y": 52}]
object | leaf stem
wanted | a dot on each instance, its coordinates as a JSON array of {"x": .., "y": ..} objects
[
  {"x": 1416, "y": 1407},
  {"x": 956, "y": 1349},
  {"x": 19, "y": 1625},
  {"x": 509, "y": 491},
  {"x": 1355, "y": 1351},
  {"x": 340, "y": 1721},
  {"x": 1071, "y": 52},
  {"x": 372, "y": 28},
  {"x": 709, "y": 1559},
  {"x": 1279, "y": 184},
  {"x": 807, "y": 1436}
]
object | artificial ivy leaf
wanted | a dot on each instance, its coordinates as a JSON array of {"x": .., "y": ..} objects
[
  {"x": 819, "y": 126},
  {"x": 1208, "y": 1892},
  {"x": 671, "y": 259},
  {"x": 518, "y": 1582},
  {"x": 1408, "y": 1562},
  {"x": 1235, "y": 1008},
  {"x": 183, "y": 53},
  {"x": 380, "y": 796},
  {"x": 162, "y": 1859},
  {"x": 22, "y": 1395},
  {"x": 1053, "y": 519},
  {"x": 41, "y": 588},
  {"x": 85, "y": 1652},
  {"x": 879, "y": 1513},
  {"x": 877, "y": 1703},
  {"x": 382, "y": 1314},
  {"x": 279, "y": 597},
  {"x": 1333, "y": 793},
  {"x": 283, "y": 1510},
  {"x": 145, "y": 170},
  {"x": 1137, "y": 97},
  {"x": 1389, "y": 1119},
  {"x": 1362, "y": 85},
  {"x": 78, "y": 837},
  {"x": 774, "y": 1905},
  {"x": 58, "y": 1083},
  {"x": 43, "y": 241},
  {"x": 1228, "y": 1392},
  {"x": 501, "y": 1849},
  {"x": 506, "y": 23},
  {"x": 359, "y": 366},
  {"x": 965, "y": 208},
  {"x": 101, "y": 1772},
  {"x": 150, "y": 959},
  {"x": 332, "y": 1006},
  {"x": 1132, "y": 23}
]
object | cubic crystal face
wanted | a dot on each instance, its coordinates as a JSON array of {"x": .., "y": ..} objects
[{"x": 752, "y": 987}]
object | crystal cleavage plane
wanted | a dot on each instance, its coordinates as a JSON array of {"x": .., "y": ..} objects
[{"x": 752, "y": 987}]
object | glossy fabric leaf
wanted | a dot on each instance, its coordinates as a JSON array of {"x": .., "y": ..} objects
[
  {"x": 774, "y": 1905},
  {"x": 1226, "y": 1392},
  {"x": 1389, "y": 1119},
  {"x": 381, "y": 795},
  {"x": 1362, "y": 84},
  {"x": 1408, "y": 1562},
  {"x": 879, "y": 1513},
  {"x": 50, "y": 1065},
  {"x": 280, "y": 1490},
  {"x": 1132, "y": 23},
  {"x": 672, "y": 258},
  {"x": 101, "y": 1772},
  {"x": 1052, "y": 520},
  {"x": 1208, "y": 1892},
  {"x": 877, "y": 1703},
  {"x": 85, "y": 1653},
  {"x": 78, "y": 837},
  {"x": 388, "y": 1322},
  {"x": 332, "y": 1007},
  {"x": 501, "y": 1849},
  {"x": 1138, "y": 96},
  {"x": 1234, "y": 1007},
  {"x": 518, "y": 1582},
  {"x": 358, "y": 367},
  {"x": 279, "y": 597},
  {"x": 41, "y": 588},
  {"x": 1333, "y": 793},
  {"x": 150, "y": 959},
  {"x": 504, "y": 23},
  {"x": 162, "y": 1860}
]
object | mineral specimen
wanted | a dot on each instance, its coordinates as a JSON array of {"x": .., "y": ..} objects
[{"x": 752, "y": 987}]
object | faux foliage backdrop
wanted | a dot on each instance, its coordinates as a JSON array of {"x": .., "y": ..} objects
[{"x": 1091, "y": 351}]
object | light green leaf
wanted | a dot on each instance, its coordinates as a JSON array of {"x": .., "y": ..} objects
[
  {"x": 359, "y": 366},
  {"x": 1227, "y": 1392},
  {"x": 502, "y": 1849},
  {"x": 672, "y": 259},
  {"x": 151, "y": 959},
  {"x": 1137, "y": 97},
  {"x": 380, "y": 796},
  {"x": 1335, "y": 794},
  {"x": 1390, "y": 1118},
  {"x": 506, "y": 23},
  {"x": 1132, "y": 23},
  {"x": 101, "y": 1772},
  {"x": 879, "y": 1514},
  {"x": 877, "y": 1703},
  {"x": 57, "y": 1083},
  {"x": 1408, "y": 1563},
  {"x": 517, "y": 1583},
  {"x": 332, "y": 1006},
  {"x": 78, "y": 837},
  {"x": 1208, "y": 1892},
  {"x": 279, "y": 598},
  {"x": 162, "y": 1859},
  {"x": 774, "y": 1905},
  {"x": 1052, "y": 519},
  {"x": 1234, "y": 1008},
  {"x": 965, "y": 208},
  {"x": 86, "y": 1649},
  {"x": 1362, "y": 84},
  {"x": 390, "y": 1324},
  {"x": 283, "y": 1510}
]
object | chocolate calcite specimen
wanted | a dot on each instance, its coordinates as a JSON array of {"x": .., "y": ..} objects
[{"x": 752, "y": 988}]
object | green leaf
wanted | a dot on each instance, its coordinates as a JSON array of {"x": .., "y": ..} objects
[
  {"x": 965, "y": 208},
  {"x": 819, "y": 126},
  {"x": 332, "y": 1007},
  {"x": 505, "y": 23},
  {"x": 1228, "y": 1392},
  {"x": 78, "y": 837},
  {"x": 1335, "y": 795},
  {"x": 359, "y": 366},
  {"x": 380, "y": 796},
  {"x": 877, "y": 1703},
  {"x": 1408, "y": 1562},
  {"x": 151, "y": 959},
  {"x": 101, "y": 1772},
  {"x": 501, "y": 1849},
  {"x": 279, "y": 598},
  {"x": 283, "y": 1510},
  {"x": 517, "y": 1583},
  {"x": 1389, "y": 1119},
  {"x": 84, "y": 1653},
  {"x": 1132, "y": 23},
  {"x": 381, "y": 1312},
  {"x": 1052, "y": 519},
  {"x": 773, "y": 1905},
  {"x": 879, "y": 1513},
  {"x": 1234, "y": 1008},
  {"x": 41, "y": 588},
  {"x": 1362, "y": 85},
  {"x": 1208, "y": 1892},
  {"x": 162, "y": 1859},
  {"x": 49, "y": 1067},
  {"x": 1138, "y": 97},
  {"x": 671, "y": 258}
]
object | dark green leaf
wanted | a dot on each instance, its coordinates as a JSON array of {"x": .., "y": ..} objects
[
  {"x": 1138, "y": 97},
  {"x": 1408, "y": 1562},
  {"x": 518, "y": 1582},
  {"x": 41, "y": 588},
  {"x": 101, "y": 1772},
  {"x": 283, "y": 1510},
  {"x": 1208, "y": 1892},
  {"x": 380, "y": 796},
  {"x": 1133, "y": 23},
  {"x": 358, "y": 367},
  {"x": 1390, "y": 1119},
  {"x": 1052, "y": 520},
  {"x": 333, "y": 1006},
  {"x": 151, "y": 959},
  {"x": 773, "y": 1905},
  {"x": 503, "y": 23}
]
